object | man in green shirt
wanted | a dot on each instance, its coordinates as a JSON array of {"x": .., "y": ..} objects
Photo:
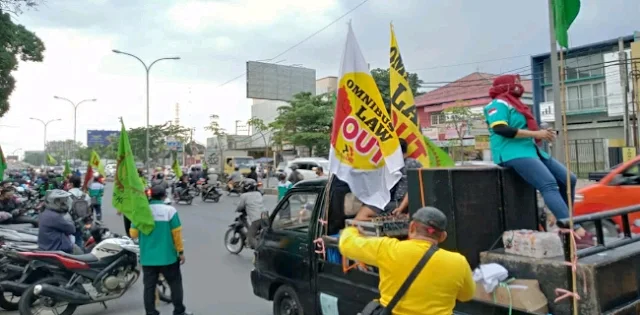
[{"x": 162, "y": 252}]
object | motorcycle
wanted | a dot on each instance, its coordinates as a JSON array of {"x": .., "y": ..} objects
[
  {"x": 235, "y": 188},
  {"x": 185, "y": 195},
  {"x": 212, "y": 192},
  {"x": 107, "y": 273},
  {"x": 236, "y": 235}
]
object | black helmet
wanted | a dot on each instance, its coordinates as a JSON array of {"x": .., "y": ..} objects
[
  {"x": 159, "y": 176},
  {"x": 249, "y": 185},
  {"x": 252, "y": 168}
]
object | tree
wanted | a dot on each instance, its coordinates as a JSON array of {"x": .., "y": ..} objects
[
  {"x": 381, "y": 76},
  {"x": 158, "y": 135},
  {"x": 63, "y": 149},
  {"x": 305, "y": 122},
  {"x": 33, "y": 157},
  {"x": 218, "y": 132},
  {"x": 15, "y": 41},
  {"x": 459, "y": 117}
]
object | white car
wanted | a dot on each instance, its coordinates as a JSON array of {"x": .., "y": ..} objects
[{"x": 306, "y": 166}]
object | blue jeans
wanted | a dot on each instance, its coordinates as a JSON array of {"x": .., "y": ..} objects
[{"x": 550, "y": 178}]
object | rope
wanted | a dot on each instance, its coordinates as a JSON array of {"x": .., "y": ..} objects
[
  {"x": 572, "y": 246},
  {"x": 505, "y": 285},
  {"x": 421, "y": 187}
]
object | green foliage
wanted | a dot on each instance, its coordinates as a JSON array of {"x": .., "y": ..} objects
[
  {"x": 33, "y": 157},
  {"x": 381, "y": 76},
  {"x": 15, "y": 41},
  {"x": 157, "y": 140},
  {"x": 305, "y": 122},
  {"x": 214, "y": 126},
  {"x": 459, "y": 117}
]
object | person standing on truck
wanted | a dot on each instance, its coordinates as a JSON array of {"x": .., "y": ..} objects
[
  {"x": 399, "y": 202},
  {"x": 514, "y": 138},
  {"x": 444, "y": 279}
]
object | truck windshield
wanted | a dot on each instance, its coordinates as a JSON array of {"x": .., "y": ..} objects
[{"x": 245, "y": 162}]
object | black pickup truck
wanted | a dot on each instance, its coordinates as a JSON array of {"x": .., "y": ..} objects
[{"x": 290, "y": 271}]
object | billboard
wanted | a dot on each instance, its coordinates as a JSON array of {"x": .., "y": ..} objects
[
  {"x": 271, "y": 81},
  {"x": 101, "y": 137}
]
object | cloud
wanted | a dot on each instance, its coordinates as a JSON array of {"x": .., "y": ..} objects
[{"x": 197, "y": 16}]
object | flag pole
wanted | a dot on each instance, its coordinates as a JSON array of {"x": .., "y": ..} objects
[{"x": 558, "y": 146}]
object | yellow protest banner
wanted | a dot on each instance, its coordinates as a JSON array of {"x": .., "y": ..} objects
[
  {"x": 403, "y": 108},
  {"x": 365, "y": 151}
]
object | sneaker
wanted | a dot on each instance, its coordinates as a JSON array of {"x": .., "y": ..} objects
[{"x": 586, "y": 241}]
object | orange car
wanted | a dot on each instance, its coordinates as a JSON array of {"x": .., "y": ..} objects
[{"x": 619, "y": 188}]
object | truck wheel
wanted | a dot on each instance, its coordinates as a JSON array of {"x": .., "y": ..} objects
[{"x": 286, "y": 302}]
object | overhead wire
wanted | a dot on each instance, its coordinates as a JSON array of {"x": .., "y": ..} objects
[{"x": 302, "y": 41}]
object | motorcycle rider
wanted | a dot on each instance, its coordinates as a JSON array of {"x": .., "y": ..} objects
[
  {"x": 252, "y": 203},
  {"x": 295, "y": 175},
  {"x": 234, "y": 179},
  {"x": 54, "y": 232},
  {"x": 181, "y": 186},
  {"x": 96, "y": 191},
  {"x": 77, "y": 194},
  {"x": 253, "y": 174},
  {"x": 10, "y": 209},
  {"x": 162, "y": 252}
]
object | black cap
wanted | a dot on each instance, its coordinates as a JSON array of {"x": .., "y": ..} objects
[
  {"x": 432, "y": 217},
  {"x": 158, "y": 192}
]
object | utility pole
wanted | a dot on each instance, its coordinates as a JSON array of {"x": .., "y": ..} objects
[
  {"x": 558, "y": 145},
  {"x": 635, "y": 75},
  {"x": 624, "y": 83}
]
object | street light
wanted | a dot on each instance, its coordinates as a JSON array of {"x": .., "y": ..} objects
[
  {"x": 147, "y": 69},
  {"x": 45, "y": 124},
  {"x": 75, "y": 111}
]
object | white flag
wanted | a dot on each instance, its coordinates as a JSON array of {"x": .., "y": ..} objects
[{"x": 365, "y": 151}]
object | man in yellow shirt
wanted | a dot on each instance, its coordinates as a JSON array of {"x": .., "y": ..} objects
[{"x": 445, "y": 278}]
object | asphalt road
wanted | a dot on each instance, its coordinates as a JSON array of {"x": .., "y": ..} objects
[{"x": 215, "y": 281}]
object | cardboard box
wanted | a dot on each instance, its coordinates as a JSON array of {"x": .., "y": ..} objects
[{"x": 525, "y": 296}]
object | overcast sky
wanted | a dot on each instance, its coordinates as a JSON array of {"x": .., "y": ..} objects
[{"x": 215, "y": 38}]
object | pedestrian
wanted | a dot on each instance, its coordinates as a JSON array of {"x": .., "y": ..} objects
[
  {"x": 283, "y": 185},
  {"x": 162, "y": 252},
  {"x": 445, "y": 276},
  {"x": 96, "y": 191}
]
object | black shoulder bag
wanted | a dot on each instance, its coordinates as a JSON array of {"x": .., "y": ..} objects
[{"x": 375, "y": 308}]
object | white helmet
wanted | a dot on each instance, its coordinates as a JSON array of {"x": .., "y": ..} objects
[{"x": 57, "y": 200}]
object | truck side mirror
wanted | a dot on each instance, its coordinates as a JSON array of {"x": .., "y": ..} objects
[{"x": 618, "y": 180}]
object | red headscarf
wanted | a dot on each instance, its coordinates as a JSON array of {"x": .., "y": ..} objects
[{"x": 508, "y": 88}]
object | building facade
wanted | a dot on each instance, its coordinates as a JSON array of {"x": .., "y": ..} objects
[
  {"x": 470, "y": 91},
  {"x": 593, "y": 93}
]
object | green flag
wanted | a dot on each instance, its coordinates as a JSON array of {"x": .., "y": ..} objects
[
  {"x": 128, "y": 191},
  {"x": 50, "y": 160},
  {"x": 3, "y": 164},
  {"x": 437, "y": 156},
  {"x": 564, "y": 13},
  {"x": 67, "y": 169},
  {"x": 176, "y": 168}
]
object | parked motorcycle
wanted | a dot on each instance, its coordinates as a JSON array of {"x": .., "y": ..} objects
[
  {"x": 212, "y": 192},
  {"x": 107, "y": 273}
]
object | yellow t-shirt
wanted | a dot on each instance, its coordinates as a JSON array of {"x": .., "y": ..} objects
[{"x": 446, "y": 277}]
